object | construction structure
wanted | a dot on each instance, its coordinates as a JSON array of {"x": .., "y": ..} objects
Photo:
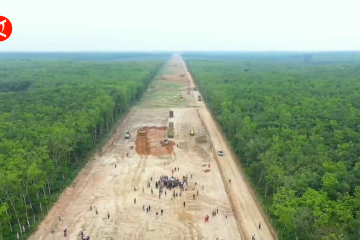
[
  {"x": 171, "y": 130},
  {"x": 171, "y": 114}
]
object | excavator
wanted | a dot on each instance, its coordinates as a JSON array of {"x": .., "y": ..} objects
[{"x": 142, "y": 132}]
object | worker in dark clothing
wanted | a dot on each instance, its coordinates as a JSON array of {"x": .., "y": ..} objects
[
  {"x": 259, "y": 225},
  {"x": 108, "y": 215},
  {"x": 184, "y": 204},
  {"x": 134, "y": 200}
]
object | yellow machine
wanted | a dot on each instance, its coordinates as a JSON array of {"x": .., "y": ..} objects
[
  {"x": 192, "y": 133},
  {"x": 142, "y": 132}
]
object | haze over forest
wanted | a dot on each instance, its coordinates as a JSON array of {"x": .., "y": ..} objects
[{"x": 229, "y": 25}]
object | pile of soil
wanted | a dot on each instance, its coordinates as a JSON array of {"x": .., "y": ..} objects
[{"x": 150, "y": 143}]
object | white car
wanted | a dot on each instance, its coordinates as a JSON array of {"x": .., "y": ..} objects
[{"x": 220, "y": 153}]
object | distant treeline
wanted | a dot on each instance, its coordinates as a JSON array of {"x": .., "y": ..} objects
[
  {"x": 84, "y": 56},
  {"x": 294, "y": 57}
]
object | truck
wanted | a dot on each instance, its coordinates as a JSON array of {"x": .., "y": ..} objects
[
  {"x": 171, "y": 130},
  {"x": 127, "y": 135},
  {"x": 199, "y": 98}
]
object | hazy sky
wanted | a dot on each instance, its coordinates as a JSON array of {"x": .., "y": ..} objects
[{"x": 127, "y": 25}]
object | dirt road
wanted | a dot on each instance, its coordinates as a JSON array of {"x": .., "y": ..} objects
[
  {"x": 245, "y": 209},
  {"x": 116, "y": 182}
]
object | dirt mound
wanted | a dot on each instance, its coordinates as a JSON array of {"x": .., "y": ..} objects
[{"x": 150, "y": 143}]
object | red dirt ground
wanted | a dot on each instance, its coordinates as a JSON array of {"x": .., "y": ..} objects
[{"x": 150, "y": 143}]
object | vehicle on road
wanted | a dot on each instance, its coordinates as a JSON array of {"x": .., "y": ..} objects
[
  {"x": 220, "y": 153},
  {"x": 127, "y": 135}
]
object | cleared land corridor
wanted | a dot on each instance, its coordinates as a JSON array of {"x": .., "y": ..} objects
[{"x": 121, "y": 182}]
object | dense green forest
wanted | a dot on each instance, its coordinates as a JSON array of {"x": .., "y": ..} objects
[
  {"x": 52, "y": 114},
  {"x": 296, "y": 130},
  {"x": 84, "y": 56}
]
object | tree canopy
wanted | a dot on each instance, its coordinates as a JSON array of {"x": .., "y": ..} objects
[
  {"x": 52, "y": 113},
  {"x": 295, "y": 128}
]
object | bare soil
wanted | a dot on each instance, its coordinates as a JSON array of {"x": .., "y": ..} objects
[
  {"x": 150, "y": 144},
  {"x": 108, "y": 181}
]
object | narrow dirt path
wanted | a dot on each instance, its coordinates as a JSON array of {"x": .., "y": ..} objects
[{"x": 245, "y": 208}]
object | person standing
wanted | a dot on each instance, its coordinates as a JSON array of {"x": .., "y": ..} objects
[
  {"x": 108, "y": 215},
  {"x": 184, "y": 204}
]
